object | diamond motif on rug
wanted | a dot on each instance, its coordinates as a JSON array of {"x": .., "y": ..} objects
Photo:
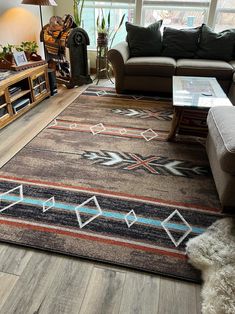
[
  {"x": 167, "y": 226},
  {"x": 130, "y": 218},
  {"x": 92, "y": 210}
]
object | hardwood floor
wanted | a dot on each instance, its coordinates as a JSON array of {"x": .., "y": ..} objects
[{"x": 36, "y": 282}]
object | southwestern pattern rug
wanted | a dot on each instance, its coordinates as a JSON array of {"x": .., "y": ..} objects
[{"x": 101, "y": 182}]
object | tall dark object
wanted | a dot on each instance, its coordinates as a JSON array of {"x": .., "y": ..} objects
[
  {"x": 40, "y": 3},
  {"x": 102, "y": 63},
  {"x": 77, "y": 43},
  {"x": 74, "y": 71}
]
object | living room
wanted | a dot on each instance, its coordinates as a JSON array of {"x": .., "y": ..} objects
[{"x": 117, "y": 156}]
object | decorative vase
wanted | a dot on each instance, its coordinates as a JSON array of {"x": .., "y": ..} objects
[
  {"x": 27, "y": 54},
  {"x": 102, "y": 40}
]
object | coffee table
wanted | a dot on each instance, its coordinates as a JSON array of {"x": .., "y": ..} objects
[{"x": 193, "y": 94}]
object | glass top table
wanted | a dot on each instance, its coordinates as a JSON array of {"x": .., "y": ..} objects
[
  {"x": 194, "y": 93},
  {"x": 200, "y": 92}
]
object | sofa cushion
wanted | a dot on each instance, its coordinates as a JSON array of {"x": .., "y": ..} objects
[
  {"x": 180, "y": 43},
  {"x": 216, "y": 46},
  {"x": 198, "y": 67},
  {"x": 221, "y": 127},
  {"x": 144, "y": 41},
  {"x": 152, "y": 66}
]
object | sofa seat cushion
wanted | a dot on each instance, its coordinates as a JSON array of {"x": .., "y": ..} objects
[
  {"x": 151, "y": 66},
  {"x": 221, "y": 127},
  {"x": 199, "y": 67}
]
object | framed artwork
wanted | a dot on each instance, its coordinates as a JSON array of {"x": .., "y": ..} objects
[{"x": 20, "y": 58}]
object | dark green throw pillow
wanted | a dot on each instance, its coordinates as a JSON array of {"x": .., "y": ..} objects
[
  {"x": 216, "y": 46},
  {"x": 180, "y": 43},
  {"x": 144, "y": 41}
]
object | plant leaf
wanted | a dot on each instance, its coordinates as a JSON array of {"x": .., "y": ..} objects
[
  {"x": 109, "y": 20},
  {"x": 115, "y": 33}
]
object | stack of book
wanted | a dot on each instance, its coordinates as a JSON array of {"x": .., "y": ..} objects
[
  {"x": 20, "y": 104},
  {"x": 14, "y": 90}
]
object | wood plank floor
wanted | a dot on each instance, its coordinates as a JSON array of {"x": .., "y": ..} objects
[{"x": 36, "y": 282}]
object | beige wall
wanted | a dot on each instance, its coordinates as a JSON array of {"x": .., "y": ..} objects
[
  {"x": 20, "y": 22},
  {"x": 66, "y": 7}
]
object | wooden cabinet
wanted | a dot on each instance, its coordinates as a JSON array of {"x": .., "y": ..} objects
[{"x": 22, "y": 91}]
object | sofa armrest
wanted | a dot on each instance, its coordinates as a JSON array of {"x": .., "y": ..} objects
[
  {"x": 231, "y": 94},
  {"x": 118, "y": 56}
]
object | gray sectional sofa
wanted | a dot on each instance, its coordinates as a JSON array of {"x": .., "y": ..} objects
[
  {"x": 154, "y": 74},
  {"x": 220, "y": 148}
]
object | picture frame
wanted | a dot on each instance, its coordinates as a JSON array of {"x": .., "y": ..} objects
[{"x": 20, "y": 58}]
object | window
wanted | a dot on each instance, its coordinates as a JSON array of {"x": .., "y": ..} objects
[
  {"x": 175, "y": 13},
  {"x": 93, "y": 9},
  {"x": 219, "y": 14},
  {"x": 225, "y": 15}
]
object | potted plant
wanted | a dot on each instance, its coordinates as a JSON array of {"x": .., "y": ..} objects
[
  {"x": 30, "y": 49},
  {"x": 6, "y": 53},
  {"x": 105, "y": 33}
]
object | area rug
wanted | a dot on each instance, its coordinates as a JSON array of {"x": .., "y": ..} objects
[
  {"x": 213, "y": 253},
  {"x": 101, "y": 182}
]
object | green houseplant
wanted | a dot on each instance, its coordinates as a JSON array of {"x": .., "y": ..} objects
[
  {"x": 104, "y": 30},
  {"x": 6, "y": 52},
  {"x": 29, "y": 48},
  {"x": 77, "y": 11}
]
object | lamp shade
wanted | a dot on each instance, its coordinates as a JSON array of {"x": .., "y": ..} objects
[{"x": 40, "y": 2}]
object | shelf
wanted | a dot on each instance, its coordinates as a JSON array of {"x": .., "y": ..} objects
[
  {"x": 3, "y": 105},
  {"x": 6, "y": 116},
  {"x": 39, "y": 84},
  {"x": 20, "y": 94},
  {"x": 25, "y": 80}
]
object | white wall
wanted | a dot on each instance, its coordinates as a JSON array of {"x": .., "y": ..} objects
[{"x": 20, "y": 22}]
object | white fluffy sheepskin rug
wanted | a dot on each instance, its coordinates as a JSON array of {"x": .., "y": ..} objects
[{"x": 213, "y": 253}]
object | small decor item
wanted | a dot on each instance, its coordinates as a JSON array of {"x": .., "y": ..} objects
[
  {"x": 35, "y": 57},
  {"x": 20, "y": 58}
]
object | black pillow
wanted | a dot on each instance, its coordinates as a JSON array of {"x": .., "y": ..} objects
[
  {"x": 144, "y": 41},
  {"x": 217, "y": 46},
  {"x": 180, "y": 43}
]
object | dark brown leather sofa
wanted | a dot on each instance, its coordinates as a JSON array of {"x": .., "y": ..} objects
[{"x": 154, "y": 74}]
